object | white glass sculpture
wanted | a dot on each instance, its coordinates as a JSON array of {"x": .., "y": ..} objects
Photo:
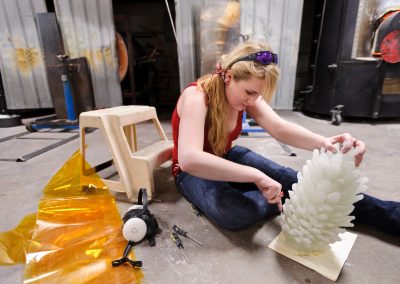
[{"x": 321, "y": 201}]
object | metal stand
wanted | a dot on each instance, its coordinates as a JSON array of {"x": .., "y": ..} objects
[
  {"x": 247, "y": 128},
  {"x": 72, "y": 121}
]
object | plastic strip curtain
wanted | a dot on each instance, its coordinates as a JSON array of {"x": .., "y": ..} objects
[{"x": 76, "y": 235}]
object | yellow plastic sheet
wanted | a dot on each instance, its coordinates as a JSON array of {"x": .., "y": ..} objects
[
  {"x": 15, "y": 243},
  {"x": 76, "y": 235}
]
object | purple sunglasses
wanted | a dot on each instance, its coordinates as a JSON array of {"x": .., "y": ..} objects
[{"x": 262, "y": 57}]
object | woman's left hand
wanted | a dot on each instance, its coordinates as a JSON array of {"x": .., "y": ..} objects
[{"x": 348, "y": 142}]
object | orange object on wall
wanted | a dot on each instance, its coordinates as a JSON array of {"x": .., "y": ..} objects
[{"x": 122, "y": 56}]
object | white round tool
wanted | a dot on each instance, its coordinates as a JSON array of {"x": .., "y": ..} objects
[{"x": 135, "y": 228}]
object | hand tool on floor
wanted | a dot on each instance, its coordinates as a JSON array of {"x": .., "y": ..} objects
[
  {"x": 198, "y": 214},
  {"x": 139, "y": 223},
  {"x": 125, "y": 257},
  {"x": 178, "y": 242},
  {"x": 185, "y": 234}
]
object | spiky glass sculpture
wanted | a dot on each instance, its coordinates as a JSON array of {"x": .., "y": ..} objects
[{"x": 321, "y": 201}]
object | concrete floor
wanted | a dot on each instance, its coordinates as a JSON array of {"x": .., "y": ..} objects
[{"x": 227, "y": 257}]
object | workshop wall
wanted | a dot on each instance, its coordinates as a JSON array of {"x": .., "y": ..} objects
[
  {"x": 87, "y": 29},
  {"x": 153, "y": 75},
  {"x": 22, "y": 68},
  {"x": 275, "y": 21}
]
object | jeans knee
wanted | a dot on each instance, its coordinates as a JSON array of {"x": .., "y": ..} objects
[
  {"x": 234, "y": 224},
  {"x": 235, "y": 216},
  {"x": 288, "y": 178},
  {"x": 236, "y": 152}
]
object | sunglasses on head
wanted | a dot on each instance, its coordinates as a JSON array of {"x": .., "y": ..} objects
[{"x": 262, "y": 57}]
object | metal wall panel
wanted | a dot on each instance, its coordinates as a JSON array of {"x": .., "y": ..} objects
[
  {"x": 276, "y": 21},
  {"x": 21, "y": 60},
  {"x": 87, "y": 29},
  {"x": 185, "y": 18},
  {"x": 279, "y": 23},
  {"x": 219, "y": 31}
]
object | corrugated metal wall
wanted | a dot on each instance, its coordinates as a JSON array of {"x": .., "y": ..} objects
[
  {"x": 279, "y": 23},
  {"x": 219, "y": 31},
  {"x": 21, "y": 60},
  {"x": 87, "y": 28},
  {"x": 185, "y": 17},
  {"x": 276, "y": 21}
]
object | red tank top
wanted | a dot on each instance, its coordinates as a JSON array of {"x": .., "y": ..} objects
[{"x": 233, "y": 135}]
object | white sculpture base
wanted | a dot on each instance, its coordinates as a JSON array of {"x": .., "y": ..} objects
[{"x": 328, "y": 263}]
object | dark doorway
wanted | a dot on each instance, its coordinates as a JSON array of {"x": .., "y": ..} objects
[{"x": 152, "y": 77}]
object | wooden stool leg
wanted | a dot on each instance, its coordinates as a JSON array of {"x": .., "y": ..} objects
[{"x": 134, "y": 166}]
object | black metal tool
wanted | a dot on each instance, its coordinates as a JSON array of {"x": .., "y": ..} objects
[
  {"x": 198, "y": 214},
  {"x": 185, "y": 234},
  {"x": 125, "y": 257},
  {"x": 178, "y": 242}
]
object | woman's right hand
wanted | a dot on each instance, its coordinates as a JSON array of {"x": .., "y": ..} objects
[
  {"x": 271, "y": 190},
  {"x": 348, "y": 142}
]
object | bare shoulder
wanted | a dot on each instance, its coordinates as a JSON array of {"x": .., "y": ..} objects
[
  {"x": 260, "y": 108},
  {"x": 191, "y": 98},
  {"x": 263, "y": 114},
  {"x": 193, "y": 93}
]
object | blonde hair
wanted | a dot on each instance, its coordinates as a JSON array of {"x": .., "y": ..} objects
[{"x": 214, "y": 88}]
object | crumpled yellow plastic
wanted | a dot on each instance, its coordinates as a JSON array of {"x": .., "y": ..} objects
[
  {"x": 15, "y": 243},
  {"x": 76, "y": 235}
]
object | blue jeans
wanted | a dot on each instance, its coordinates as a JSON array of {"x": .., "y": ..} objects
[{"x": 235, "y": 206}]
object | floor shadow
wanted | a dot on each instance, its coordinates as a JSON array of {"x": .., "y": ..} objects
[
  {"x": 165, "y": 186},
  {"x": 245, "y": 238}
]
